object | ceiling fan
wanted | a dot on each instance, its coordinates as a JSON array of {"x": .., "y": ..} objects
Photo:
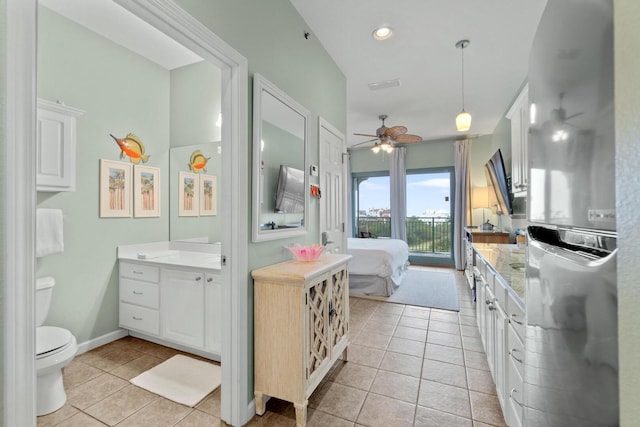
[{"x": 386, "y": 138}]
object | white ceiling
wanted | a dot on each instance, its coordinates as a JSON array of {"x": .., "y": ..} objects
[{"x": 422, "y": 54}]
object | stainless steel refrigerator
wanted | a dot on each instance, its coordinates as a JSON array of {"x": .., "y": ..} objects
[{"x": 571, "y": 334}]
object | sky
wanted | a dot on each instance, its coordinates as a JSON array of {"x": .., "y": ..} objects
[{"x": 425, "y": 192}]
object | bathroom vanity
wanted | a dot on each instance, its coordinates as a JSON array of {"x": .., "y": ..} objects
[{"x": 170, "y": 293}]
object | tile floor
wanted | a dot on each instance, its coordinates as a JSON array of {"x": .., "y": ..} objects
[{"x": 408, "y": 366}]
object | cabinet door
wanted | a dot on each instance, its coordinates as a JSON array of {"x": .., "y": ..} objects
[
  {"x": 318, "y": 341},
  {"x": 339, "y": 311},
  {"x": 501, "y": 354},
  {"x": 519, "y": 116},
  {"x": 182, "y": 307},
  {"x": 213, "y": 325},
  {"x": 489, "y": 327}
]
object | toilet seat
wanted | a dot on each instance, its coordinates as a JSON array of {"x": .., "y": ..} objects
[{"x": 51, "y": 340}]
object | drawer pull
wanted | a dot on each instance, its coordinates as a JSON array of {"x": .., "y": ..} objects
[
  {"x": 491, "y": 307},
  {"x": 137, "y": 318},
  {"x": 138, "y": 293},
  {"x": 511, "y": 395},
  {"x": 514, "y": 317},
  {"x": 210, "y": 279},
  {"x": 137, "y": 272},
  {"x": 198, "y": 278},
  {"x": 511, "y": 353}
]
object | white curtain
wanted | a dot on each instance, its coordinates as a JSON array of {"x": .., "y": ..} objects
[
  {"x": 462, "y": 191},
  {"x": 398, "y": 183}
]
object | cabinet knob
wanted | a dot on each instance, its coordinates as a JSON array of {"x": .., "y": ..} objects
[
  {"x": 514, "y": 318},
  {"x": 197, "y": 279},
  {"x": 138, "y": 293},
  {"x": 209, "y": 279},
  {"x": 136, "y": 318},
  {"x": 491, "y": 307}
]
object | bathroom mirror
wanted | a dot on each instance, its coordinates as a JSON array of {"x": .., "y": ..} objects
[{"x": 280, "y": 163}]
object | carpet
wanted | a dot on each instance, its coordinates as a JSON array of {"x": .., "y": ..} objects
[
  {"x": 181, "y": 378},
  {"x": 425, "y": 289}
]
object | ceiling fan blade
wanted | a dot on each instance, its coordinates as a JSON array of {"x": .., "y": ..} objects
[
  {"x": 408, "y": 139},
  {"x": 395, "y": 131},
  {"x": 366, "y": 134},
  {"x": 364, "y": 142}
]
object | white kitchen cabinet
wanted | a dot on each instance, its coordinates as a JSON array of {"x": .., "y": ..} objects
[
  {"x": 56, "y": 146},
  {"x": 520, "y": 122},
  {"x": 172, "y": 305},
  {"x": 301, "y": 327}
]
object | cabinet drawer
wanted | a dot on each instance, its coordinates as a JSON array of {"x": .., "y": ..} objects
[
  {"x": 140, "y": 293},
  {"x": 515, "y": 396},
  {"x": 515, "y": 313},
  {"x": 139, "y": 318},
  {"x": 516, "y": 350},
  {"x": 147, "y": 273}
]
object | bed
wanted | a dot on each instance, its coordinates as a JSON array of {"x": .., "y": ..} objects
[{"x": 377, "y": 266}]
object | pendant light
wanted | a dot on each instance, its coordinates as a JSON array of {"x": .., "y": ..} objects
[{"x": 463, "y": 119}]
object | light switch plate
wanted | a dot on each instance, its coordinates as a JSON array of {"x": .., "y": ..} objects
[{"x": 314, "y": 170}]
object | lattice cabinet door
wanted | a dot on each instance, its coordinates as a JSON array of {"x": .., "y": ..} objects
[
  {"x": 318, "y": 301},
  {"x": 339, "y": 310}
]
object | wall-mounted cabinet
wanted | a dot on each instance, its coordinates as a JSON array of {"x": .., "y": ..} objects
[
  {"x": 519, "y": 116},
  {"x": 56, "y": 146}
]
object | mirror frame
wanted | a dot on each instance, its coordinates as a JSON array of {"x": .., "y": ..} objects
[{"x": 260, "y": 86}]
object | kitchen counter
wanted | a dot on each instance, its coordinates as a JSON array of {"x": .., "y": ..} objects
[
  {"x": 181, "y": 254},
  {"x": 508, "y": 262}
]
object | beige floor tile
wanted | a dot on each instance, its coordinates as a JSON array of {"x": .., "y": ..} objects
[
  {"x": 470, "y": 331},
  {"x": 56, "y": 417},
  {"x": 370, "y": 339},
  {"x": 441, "y": 338},
  {"x": 444, "y": 354},
  {"x": 159, "y": 413},
  {"x": 468, "y": 320},
  {"x": 465, "y": 311},
  {"x": 446, "y": 327},
  {"x": 111, "y": 360},
  {"x": 376, "y": 327},
  {"x": 271, "y": 419},
  {"x": 445, "y": 398},
  {"x": 410, "y": 333},
  {"x": 354, "y": 375},
  {"x": 94, "y": 390},
  {"x": 480, "y": 380},
  {"x": 405, "y": 346},
  {"x": 383, "y": 412},
  {"x": 119, "y": 406},
  {"x": 136, "y": 366},
  {"x": 420, "y": 312},
  {"x": 475, "y": 360},
  {"x": 81, "y": 420},
  {"x": 211, "y": 403},
  {"x": 473, "y": 344},
  {"x": 444, "y": 316},
  {"x": 390, "y": 308},
  {"x": 366, "y": 356},
  {"x": 396, "y": 386},
  {"x": 427, "y": 417},
  {"x": 199, "y": 419},
  {"x": 316, "y": 418},
  {"x": 414, "y": 322},
  {"x": 76, "y": 373},
  {"x": 339, "y": 400},
  {"x": 401, "y": 364},
  {"x": 385, "y": 317},
  {"x": 445, "y": 373},
  {"x": 486, "y": 408}
]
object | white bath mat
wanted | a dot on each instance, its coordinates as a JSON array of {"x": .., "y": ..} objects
[{"x": 182, "y": 379}]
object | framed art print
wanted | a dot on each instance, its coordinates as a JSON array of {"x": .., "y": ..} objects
[
  {"x": 188, "y": 188},
  {"x": 146, "y": 191},
  {"x": 115, "y": 189},
  {"x": 208, "y": 195}
]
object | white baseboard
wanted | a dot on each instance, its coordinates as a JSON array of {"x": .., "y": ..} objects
[{"x": 102, "y": 340}]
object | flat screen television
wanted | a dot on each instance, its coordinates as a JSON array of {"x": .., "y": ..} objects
[
  {"x": 499, "y": 196},
  {"x": 290, "y": 190}
]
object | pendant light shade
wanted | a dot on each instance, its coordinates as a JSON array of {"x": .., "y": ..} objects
[{"x": 463, "y": 119}]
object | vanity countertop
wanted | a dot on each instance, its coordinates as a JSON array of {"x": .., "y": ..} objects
[
  {"x": 508, "y": 261},
  {"x": 197, "y": 255}
]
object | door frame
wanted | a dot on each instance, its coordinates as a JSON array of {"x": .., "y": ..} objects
[{"x": 18, "y": 177}]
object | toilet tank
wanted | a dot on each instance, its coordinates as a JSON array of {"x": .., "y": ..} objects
[{"x": 44, "y": 292}]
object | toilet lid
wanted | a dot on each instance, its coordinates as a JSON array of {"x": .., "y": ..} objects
[{"x": 51, "y": 338}]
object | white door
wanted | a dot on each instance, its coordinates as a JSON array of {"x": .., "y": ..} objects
[{"x": 333, "y": 171}]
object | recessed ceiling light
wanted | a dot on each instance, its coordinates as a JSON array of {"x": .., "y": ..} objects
[{"x": 382, "y": 33}]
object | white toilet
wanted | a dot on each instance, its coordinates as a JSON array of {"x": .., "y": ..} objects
[{"x": 55, "y": 348}]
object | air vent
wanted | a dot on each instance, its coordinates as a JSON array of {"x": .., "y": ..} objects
[{"x": 385, "y": 84}]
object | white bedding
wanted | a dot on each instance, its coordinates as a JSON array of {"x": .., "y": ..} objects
[{"x": 381, "y": 262}]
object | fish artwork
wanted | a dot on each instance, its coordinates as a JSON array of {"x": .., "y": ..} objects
[
  {"x": 133, "y": 147},
  {"x": 198, "y": 162}
]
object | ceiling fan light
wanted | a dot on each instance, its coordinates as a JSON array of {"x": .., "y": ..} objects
[
  {"x": 382, "y": 33},
  {"x": 463, "y": 121},
  {"x": 375, "y": 149}
]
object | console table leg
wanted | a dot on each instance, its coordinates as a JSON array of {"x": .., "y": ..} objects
[
  {"x": 260, "y": 403},
  {"x": 301, "y": 413}
]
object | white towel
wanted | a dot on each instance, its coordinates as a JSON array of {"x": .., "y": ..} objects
[{"x": 49, "y": 237}]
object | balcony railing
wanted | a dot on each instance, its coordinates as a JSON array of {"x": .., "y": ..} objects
[{"x": 424, "y": 234}]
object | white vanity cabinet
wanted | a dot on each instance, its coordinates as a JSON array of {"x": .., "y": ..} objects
[
  {"x": 172, "y": 304},
  {"x": 520, "y": 123},
  {"x": 56, "y": 146}
]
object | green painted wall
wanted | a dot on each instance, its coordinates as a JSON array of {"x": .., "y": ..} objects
[
  {"x": 120, "y": 92},
  {"x": 3, "y": 205}
]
